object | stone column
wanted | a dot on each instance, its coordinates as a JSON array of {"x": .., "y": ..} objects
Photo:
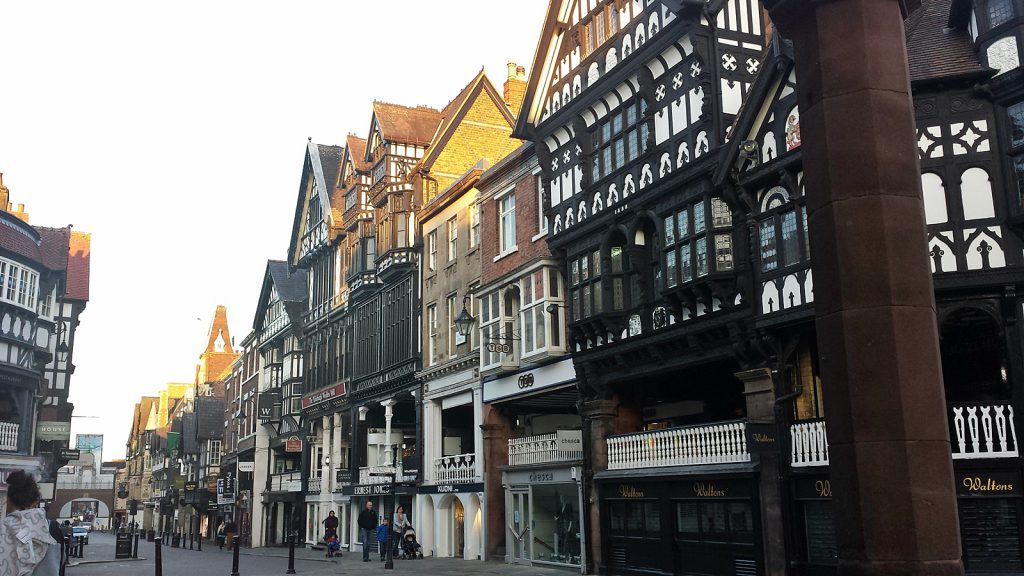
[
  {"x": 598, "y": 423},
  {"x": 478, "y": 437},
  {"x": 890, "y": 465},
  {"x": 325, "y": 466},
  {"x": 388, "y": 405},
  {"x": 337, "y": 421},
  {"x": 759, "y": 393},
  {"x": 496, "y": 431}
]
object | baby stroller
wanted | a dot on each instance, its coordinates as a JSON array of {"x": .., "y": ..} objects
[{"x": 410, "y": 548}]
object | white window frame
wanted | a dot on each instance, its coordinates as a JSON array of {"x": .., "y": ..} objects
[
  {"x": 432, "y": 331},
  {"x": 432, "y": 250},
  {"x": 19, "y": 284},
  {"x": 542, "y": 219},
  {"x": 451, "y": 303},
  {"x": 453, "y": 238},
  {"x": 506, "y": 207},
  {"x": 533, "y": 312},
  {"x": 474, "y": 225},
  {"x": 490, "y": 328}
]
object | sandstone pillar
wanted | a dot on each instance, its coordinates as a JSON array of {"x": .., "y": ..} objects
[{"x": 598, "y": 423}]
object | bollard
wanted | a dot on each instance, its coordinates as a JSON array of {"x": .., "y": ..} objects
[
  {"x": 291, "y": 554},
  {"x": 135, "y": 549},
  {"x": 199, "y": 542},
  {"x": 191, "y": 538},
  {"x": 159, "y": 561},
  {"x": 234, "y": 557}
]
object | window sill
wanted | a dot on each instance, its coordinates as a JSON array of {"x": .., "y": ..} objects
[
  {"x": 539, "y": 235},
  {"x": 513, "y": 250}
]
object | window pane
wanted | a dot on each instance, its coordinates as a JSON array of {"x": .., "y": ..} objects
[
  {"x": 631, "y": 147},
  {"x": 685, "y": 267},
  {"x": 598, "y": 304},
  {"x": 618, "y": 294},
  {"x": 702, "y": 256},
  {"x": 819, "y": 526},
  {"x": 1016, "y": 114},
  {"x": 670, "y": 230},
  {"x": 803, "y": 222},
  {"x": 606, "y": 133},
  {"x": 616, "y": 257},
  {"x": 645, "y": 131},
  {"x": 540, "y": 330},
  {"x": 617, "y": 518},
  {"x": 634, "y": 517},
  {"x": 631, "y": 115},
  {"x": 698, "y": 218},
  {"x": 999, "y": 12},
  {"x": 528, "y": 331},
  {"x": 768, "y": 252},
  {"x": 713, "y": 522},
  {"x": 790, "y": 241},
  {"x": 720, "y": 213},
  {"x": 688, "y": 520},
  {"x": 620, "y": 153},
  {"x": 553, "y": 282},
  {"x": 683, "y": 220},
  {"x": 741, "y": 522},
  {"x": 584, "y": 269},
  {"x": 723, "y": 252},
  {"x": 586, "y": 301},
  {"x": 606, "y": 159},
  {"x": 574, "y": 271},
  {"x": 652, "y": 518},
  {"x": 617, "y": 123},
  {"x": 670, "y": 268},
  {"x": 595, "y": 260},
  {"x": 576, "y": 304}
]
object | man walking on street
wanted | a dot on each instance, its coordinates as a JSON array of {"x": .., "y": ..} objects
[
  {"x": 229, "y": 532},
  {"x": 367, "y": 528}
]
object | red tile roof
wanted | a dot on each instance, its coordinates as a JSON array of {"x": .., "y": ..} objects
[
  {"x": 407, "y": 125},
  {"x": 18, "y": 237},
  {"x": 79, "y": 254},
  {"x": 357, "y": 150},
  {"x": 935, "y": 51},
  {"x": 54, "y": 247}
]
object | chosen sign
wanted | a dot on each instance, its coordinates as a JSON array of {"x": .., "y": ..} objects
[
  {"x": 246, "y": 465},
  {"x": 762, "y": 438},
  {"x": 324, "y": 395},
  {"x": 293, "y": 444}
]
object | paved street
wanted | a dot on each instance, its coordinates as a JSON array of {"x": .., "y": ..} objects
[{"x": 99, "y": 561}]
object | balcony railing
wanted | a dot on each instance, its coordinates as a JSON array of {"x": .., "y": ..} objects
[
  {"x": 313, "y": 485},
  {"x": 457, "y": 469},
  {"x": 9, "y": 436},
  {"x": 287, "y": 482},
  {"x": 810, "y": 444},
  {"x": 541, "y": 449},
  {"x": 719, "y": 443},
  {"x": 369, "y": 474},
  {"x": 341, "y": 476},
  {"x": 984, "y": 431}
]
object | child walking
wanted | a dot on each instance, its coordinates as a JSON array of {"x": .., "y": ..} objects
[{"x": 382, "y": 537}]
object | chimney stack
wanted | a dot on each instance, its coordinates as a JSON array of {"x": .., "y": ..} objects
[{"x": 515, "y": 87}]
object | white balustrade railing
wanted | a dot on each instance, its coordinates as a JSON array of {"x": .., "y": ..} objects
[
  {"x": 456, "y": 469},
  {"x": 542, "y": 449},
  {"x": 313, "y": 485},
  {"x": 984, "y": 431},
  {"x": 370, "y": 474},
  {"x": 810, "y": 444},
  {"x": 9, "y": 436},
  {"x": 719, "y": 443}
]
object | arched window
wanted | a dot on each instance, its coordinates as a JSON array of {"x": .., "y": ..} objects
[
  {"x": 934, "y": 198},
  {"x": 976, "y": 194},
  {"x": 782, "y": 234}
]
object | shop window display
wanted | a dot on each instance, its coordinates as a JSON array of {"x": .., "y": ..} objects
[{"x": 556, "y": 530}]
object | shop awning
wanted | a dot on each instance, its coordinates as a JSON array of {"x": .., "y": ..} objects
[{"x": 666, "y": 471}]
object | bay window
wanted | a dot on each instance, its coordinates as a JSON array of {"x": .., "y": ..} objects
[
  {"x": 696, "y": 245},
  {"x": 619, "y": 139},
  {"x": 782, "y": 236},
  {"x": 490, "y": 330},
  {"x": 585, "y": 285}
]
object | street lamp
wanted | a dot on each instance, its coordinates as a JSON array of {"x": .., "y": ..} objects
[{"x": 464, "y": 321}]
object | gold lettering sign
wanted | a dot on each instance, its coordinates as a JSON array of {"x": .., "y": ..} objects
[
  {"x": 707, "y": 490},
  {"x": 824, "y": 488},
  {"x": 979, "y": 484},
  {"x": 628, "y": 491},
  {"x": 763, "y": 438}
]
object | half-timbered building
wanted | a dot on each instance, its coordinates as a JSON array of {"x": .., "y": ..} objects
[
  {"x": 967, "y": 94},
  {"x": 629, "y": 107}
]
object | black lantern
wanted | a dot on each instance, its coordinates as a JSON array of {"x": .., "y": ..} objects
[{"x": 464, "y": 321}]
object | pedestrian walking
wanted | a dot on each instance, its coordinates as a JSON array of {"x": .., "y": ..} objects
[
  {"x": 399, "y": 522},
  {"x": 221, "y": 534},
  {"x": 367, "y": 522},
  {"x": 26, "y": 547},
  {"x": 382, "y": 537},
  {"x": 229, "y": 532}
]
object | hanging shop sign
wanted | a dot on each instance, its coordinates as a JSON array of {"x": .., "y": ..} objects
[
  {"x": 293, "y": 444},
  {"x": 246, "y": 466},
  {"x": 366, "y": 490},
  {"x": 325, "y": 395},
  {"x": 988, "y": 483},
  {"x": 813, "y": 488},
  {"x": 269, "y": 406},
  {"x": 69, "y": 455},
  {"x": 762, "y": 438},
  {"x": 570, "y": 441},
  {"x": 49, "y": 431},
  {"x": 191, "y": 486}
]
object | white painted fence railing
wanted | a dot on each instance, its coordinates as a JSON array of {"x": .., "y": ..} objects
[
  {"x": 313, "y": 485},
  {"x": 810, "y": 444},
  {"x": 541, "y": 449},
  {"x": 984, "y": 431},
  {"x": 9, "y": 436},
  {"x": 367, "y": 474},
  {"x": 456, "y": 469},
  {"x": 719, "y": 443},
  {"x": 287, "y": 482}
]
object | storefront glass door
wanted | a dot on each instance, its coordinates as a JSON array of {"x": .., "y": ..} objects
[{"x": 520, "y": 527}]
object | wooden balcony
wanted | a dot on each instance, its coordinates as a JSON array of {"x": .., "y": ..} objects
[
  {"x": 377, "y": 474},
  {"x": 287, "y": 482},
  {"x": 718, "y": 443},
  {"x": 541, "y": 449},
  {"x": 9, "y": 436},
  {"x": 455, "y": 469}
]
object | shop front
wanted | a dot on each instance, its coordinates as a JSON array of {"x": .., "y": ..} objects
[
  {"x": 693, "y": 525},
  {"x": 813, "y": 525},
  {"x": 384, "y": 503},
  {"x": 451, "y": 520},
  {"x": 989, "y": 502},
  {"x": 544, "y": 513}
]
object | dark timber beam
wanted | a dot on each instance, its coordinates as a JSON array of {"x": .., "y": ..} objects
[{"x": 890, "y": 467}]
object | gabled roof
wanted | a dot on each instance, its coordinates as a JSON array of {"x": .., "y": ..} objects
[
  {"x": 405, "y": 124},
  {"x": 53, "y": 247},
  {"x": 456, "y": 110},
  {"x": 290, "y": 285},
  {"x": 356, "y": 150},
  {"x": 321, "y": 164},
  {"x": 935, "y": 50}
]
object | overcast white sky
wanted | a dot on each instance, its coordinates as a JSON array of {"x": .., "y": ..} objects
[{"x": 175, "y": 133}]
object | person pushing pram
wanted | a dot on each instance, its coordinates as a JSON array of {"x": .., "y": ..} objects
[{"x": 409, "y": 547}]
